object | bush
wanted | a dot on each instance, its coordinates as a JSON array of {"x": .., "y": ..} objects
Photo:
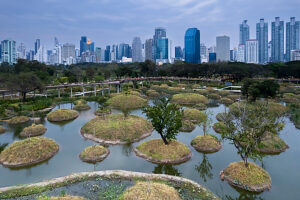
[{"x": 189, "y": 99}]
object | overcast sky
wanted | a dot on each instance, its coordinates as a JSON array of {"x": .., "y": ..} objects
[{"x": 109, "y": 22}]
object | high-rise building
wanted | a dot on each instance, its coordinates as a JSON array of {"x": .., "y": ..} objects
[
  {"x": 56, "y": 43},
  {"x": 30, "y": 55},
  {"x": 244, "y": 32},
  {"x": 277, "y": 40},
  {"x": 107, "y": 54},
  {"x": 292, "y": 37},
  {"x": 21, "y": 53},
  {"x": 212, "y": 57},
  {"x": 162, "y": 50},
  {"x": 37, "y": 45},
  {"x": 136, "y": 50},
  {"x": 124, "y": 51},
  {"x": 8, "y": 51},
  {"x": 68, "y": 50},
  {"x": 159, "y": 33},
  {"x": 192, "y": 46},
  {"x": 252, "y": 51},
  {"x": 203, "y": 51},
  {"x": 295, "y": 55},
  {"x": 114, "y": 53},
  {"x": 86, "y": 45},
  {"x": 149, "y": 49},
  {"x": 98, "y": 54},
  {"x": 262, "y": 38},
  {"x": 241, "y": 53},
  {"x": 223, "y": 48},
  {"x": 233, "y": 55},
  {"x": 41, "y": 55},
  {"x": 178, "y": 53}
]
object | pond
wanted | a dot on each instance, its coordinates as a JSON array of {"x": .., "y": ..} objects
[{"x": 202, "y": 168}]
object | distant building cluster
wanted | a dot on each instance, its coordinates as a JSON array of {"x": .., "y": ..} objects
[{"x": 283, "y": 46}]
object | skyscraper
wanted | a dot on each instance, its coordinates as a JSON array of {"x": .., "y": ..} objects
[
  {"x": 8, "y": 51},
  {"x": 203, "y": 51},
  {"x": 262, "y": 38},
  {"x": 56, "y": 43},
  {"x": 136, "y": 50},
  {"x": 292, "y": 37},
  {"x": 159, "y": 33},
  {"x": 68, "y": 50},
  {"x": 223, "y": 48},
  {"x": 212, "y": 57},
  {"x": 241, "y": 53},
  {"x": 37, "y": 45},
  {"x": 162, "y": 49},
  {"x": 252, "y": 51},
  {"x": 124, "y": 51},
  {"x": 178, "y": 53},
  {"x": 244, "y": 32},
  {"x": 192, "y": 46},
  {"x": 98, "y": 54},
  {"x": 107, "y": 53},
  {"x": 277, "y": 40},
  {"x": 21, "y": 53},
  {"x": 295, "y": 55},
  {"x": 149, "y": 49},
  {"x": 86, "y": 45}
]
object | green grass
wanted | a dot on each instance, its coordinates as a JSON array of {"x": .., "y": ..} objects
[
  {"x": 33, "y": 130},
  {"x": 150, "y": 191},
  {"x": 194, "y": 115},
  {"x": 18, "y": 120},
  {"x": 62, "y": 115},
  {"x": 218, "y": 126},
  {"x": 93, "y": 153},
  {"x": 81, "y": 107},
  {"x": 158, "y": 150},
  {"x": 29, "y": 150},
  {"x": 252, "y": 175},
  {"x": 116, "y": 127},
  {"x": 111, "y": 191},
  {"x": 206, "y": 142},
  {"x": 127, "y": 102},
  {"x": 272, "y": 143},
  {"x": 189, "y": 99},
  {"x": 187, "y": 126}
]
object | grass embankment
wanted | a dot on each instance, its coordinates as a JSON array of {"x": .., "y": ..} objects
[
  {"x": 2, "y": 130},
  {"x": 103, "y": 111},
  {"x": 127, "y": 102},
  {"x": 207, "y": 143},
  {"x": 200, "y": 106},
  {"x": 272, "y": 144},
  {"x": 189, "y": 99},
  {"x": 18, "y": 120},
  {"x": 157, "y": 152},
  {"x": 81, "y": 104},
  {"x": 218, "y": 127},
  {"x": 117, "y": 128},
  {"x": 29, "y": 151},
  {"x": 33, "y": 130},
  {"x": 150, "y": 191},
  {"x": 67, "y": 197},
  {"x": 187, "y": 126},
  {"x": 94, "y": 154},
  {"x": 252, "y": 178},
  {"x": 194, "y": 115},
  {"x": 62, "y": 115}
]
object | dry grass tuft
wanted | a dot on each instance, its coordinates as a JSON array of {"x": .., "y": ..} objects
[
  {"x": 2, "y": 130},
  {"x": 206, "y": 143},
  {"x": 33, "y": 130},
  {"x": 189, "y": 99},
  {"x": 94, "y": 153},
  {"x": 18, "y": 120},
  {"x": 62, "y": 115},
  {"x": 194, "y": 115}
]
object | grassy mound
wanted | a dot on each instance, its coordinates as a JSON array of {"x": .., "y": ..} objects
[
  {"x": 214, "y": 96},
  {"x": 277, "y": 109},
  {"x": 223, "y": 93},
  {"x": 218, "y": 127},
  {"x": 189, "y": 99},
  {"x": 157, "y": 152},
  {"x": 187, "y": 126},
  {"x": 194, "y": 115},
  {"x": 233, "y": 97},
  {"x": 29, "y": 151},
  {"x": 33, "y": 130},
  {"x": 152, "y": 93},
  {"x": 150, "y": 191},
  {"x": 207, "y": 144},
  {"x": 67, "y": 197},
  {"x": 127, "y": 102},
  {"x": 80, "y": 101},
  {"x": 116, "y": 129},
  {"x": 226, "y": 101},
  {"x": 103, "y": 111},
  {"x": 252, "y": 178},
  {"x": 18, "y": 120},
  {"x": 272, "y": 144},
  {"x": 2, "y": 130},
  {"x": 200, "y": 106},
  {"x": 222, "y": 116},
  {"x": 62, "y": 115},
  {"x": 81, "y": 107},
  {"x": 94, "y": 154}
]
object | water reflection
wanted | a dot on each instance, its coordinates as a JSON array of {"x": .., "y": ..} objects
[
  {"x": 166, "y": 169},
  {"x": 127, "y": 149},
  {"x": 2, "y": 146},
  {"x": 204, "y": 168}
]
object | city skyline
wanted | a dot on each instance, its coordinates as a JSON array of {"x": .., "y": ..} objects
[{"x": 107, "y": 22}]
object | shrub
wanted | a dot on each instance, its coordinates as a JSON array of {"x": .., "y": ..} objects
[{"x": 189, "y": 99}]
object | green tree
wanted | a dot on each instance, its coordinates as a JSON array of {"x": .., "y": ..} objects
[
  {"x": 246, "y": 126},
  {"x": 24, "y": 82},
  {"x": 269, "y": 88},
  {"x": 166, "y": 118}
]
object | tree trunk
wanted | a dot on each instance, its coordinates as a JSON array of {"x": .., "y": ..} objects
[
  {"x": 24, "y": 96},
  {"x": 246, "y": 161},
  {"x": 164, "y": 139}
]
